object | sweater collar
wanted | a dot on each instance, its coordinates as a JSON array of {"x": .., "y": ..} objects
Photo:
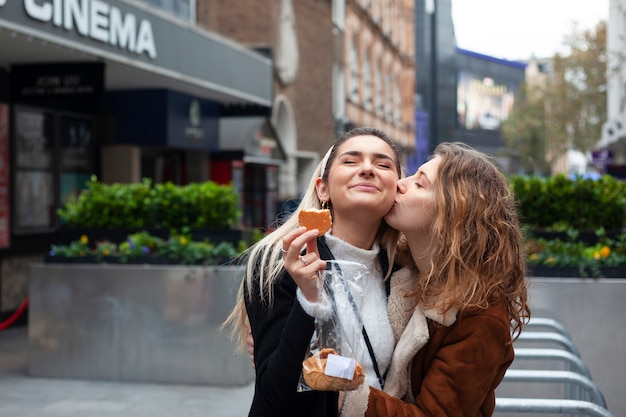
[{"x": 343, "y": 250}]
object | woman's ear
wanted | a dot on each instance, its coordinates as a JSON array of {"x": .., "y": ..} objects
[{"x": 322, "y": 190}]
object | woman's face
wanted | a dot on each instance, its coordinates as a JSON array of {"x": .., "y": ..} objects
[
  {"x": 415, "y": 206},
  {"x": 363, "y": 176}
]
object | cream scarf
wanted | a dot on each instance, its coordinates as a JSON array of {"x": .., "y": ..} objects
[{"x": 410, "y": 329}]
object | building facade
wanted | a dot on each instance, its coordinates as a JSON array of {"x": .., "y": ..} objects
[
  {"x": 461, "y": 95},
  {"x": 486, "y": 91},
  {"x": 338, "y": 64},
  {"x": 610, "y": 153},
  {"x": 121, "y": 90}
]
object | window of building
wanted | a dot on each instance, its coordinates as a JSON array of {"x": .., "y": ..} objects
[
  {"x": 182, "y": 9},
  {"x": 388, "y": 106},
  {"x": 339, "y": 14},
  {"x": 367, "y": 81},
  {"x": 354, "y": 72},
  {"x": 378, "y": 91},
  {"x": 396, "y": 103}
]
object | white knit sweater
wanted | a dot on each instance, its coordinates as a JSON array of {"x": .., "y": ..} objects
[{"x": 365, "y": 280}]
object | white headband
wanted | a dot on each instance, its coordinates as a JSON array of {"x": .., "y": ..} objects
[{"x": 325, "y": 160}]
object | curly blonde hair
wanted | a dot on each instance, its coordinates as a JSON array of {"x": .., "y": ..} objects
[{"x": 478, "y": 250}]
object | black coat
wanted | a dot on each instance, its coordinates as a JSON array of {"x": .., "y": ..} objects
[{"x": 281, "y": 339}]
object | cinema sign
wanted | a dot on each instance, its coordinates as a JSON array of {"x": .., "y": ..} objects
[{"x": 98, "y": 20}]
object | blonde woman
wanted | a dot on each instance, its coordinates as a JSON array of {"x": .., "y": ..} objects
[{"x": 357, "y": 181}]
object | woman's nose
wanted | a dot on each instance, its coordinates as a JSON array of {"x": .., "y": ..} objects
[
  {"x": 402, "y": 186},
  {"x": 367, "y": 168}
]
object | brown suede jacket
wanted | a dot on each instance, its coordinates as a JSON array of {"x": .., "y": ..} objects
[{"x": 443, "y": 365}]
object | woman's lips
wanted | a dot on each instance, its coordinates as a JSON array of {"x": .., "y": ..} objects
[{"x": 366, "y": 186}]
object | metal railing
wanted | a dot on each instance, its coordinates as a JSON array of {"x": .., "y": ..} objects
[
  {"x": 547, "y": 337},
  {"x": 572, "y": 362},
  {"x": 543, "y": 322},
  {"x": 582, "y": 395},
  {"x": 591, "y": 391},
  {"x": 554, "y": 406}
]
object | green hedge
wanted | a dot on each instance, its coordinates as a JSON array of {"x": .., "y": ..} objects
[
  {"x": 560, "y": 203},
  {"x": 146, "y": 205}
]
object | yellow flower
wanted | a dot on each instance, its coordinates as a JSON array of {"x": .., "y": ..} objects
[
  {"x": 183, "y": 240},
  {"x": 605, "y": 251},
  {"x": 106, "y": 252},
  {"x": 550, "y": 260},
  {"x": 84, "y": 239},
  {"x": 533, "y": 256}
]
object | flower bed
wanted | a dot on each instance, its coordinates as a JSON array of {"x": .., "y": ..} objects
[
  {"x": 143, "y": 247},
  {"x": 572, "y": 257}
]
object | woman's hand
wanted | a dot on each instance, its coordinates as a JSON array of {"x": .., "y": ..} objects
[{"x": 303, "y": 268}]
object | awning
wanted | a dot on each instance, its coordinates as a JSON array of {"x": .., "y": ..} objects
[
  {"x": 173, "y": 55},
  {"x": 255, "y": 137}
]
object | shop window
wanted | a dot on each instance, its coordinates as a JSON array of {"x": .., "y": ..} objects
[
  {"x": 54, "y": 157},
  {"x": 76, "y": 154},
  {"x": 34, "y": 171},
  {"x": 260, "y": 194}
]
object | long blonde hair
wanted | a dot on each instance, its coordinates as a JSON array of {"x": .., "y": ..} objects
[
  {"x": 264, "y": 261},
  {"x": 478, "y": 251}
]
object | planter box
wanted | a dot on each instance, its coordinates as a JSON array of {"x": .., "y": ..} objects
[
  {"x": 574, "y": 271},
  {"x": 135, "y": 323}
]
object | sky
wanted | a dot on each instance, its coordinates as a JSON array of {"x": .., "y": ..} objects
[{"x": 520, "y": 29}]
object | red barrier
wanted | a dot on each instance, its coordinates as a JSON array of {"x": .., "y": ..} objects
[{"x": 16, "y": 314}]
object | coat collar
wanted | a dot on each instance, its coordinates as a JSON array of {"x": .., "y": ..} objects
[{"x": 410, "y": 328}]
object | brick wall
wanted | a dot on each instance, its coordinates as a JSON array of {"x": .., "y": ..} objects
[{"x": 254, "y": 23}]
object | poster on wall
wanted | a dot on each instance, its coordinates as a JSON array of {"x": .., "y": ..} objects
[
  {"x": 34, "y": 144},
  {"x": 5, "y": 219},
  {"x": 482, "y": 102},
  {"x": 77, "y": 140},
  {"x": 35, "y": 199},
  {"x": 34, "y": 206}
]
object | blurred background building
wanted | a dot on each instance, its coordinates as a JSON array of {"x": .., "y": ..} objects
[
  {"x": 611, "y": 151},
  {"x": 338, "y": 64},
  {"x": 248, "y": 92}
]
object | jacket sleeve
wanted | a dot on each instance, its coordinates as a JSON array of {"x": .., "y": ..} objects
[
  {"x": 461, "y": 380},
  {"x": 281, "y": 335}
]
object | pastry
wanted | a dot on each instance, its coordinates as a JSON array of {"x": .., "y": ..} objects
[
  {"x": 315, "y": 219},
  {"x": 314, "y": 376}
]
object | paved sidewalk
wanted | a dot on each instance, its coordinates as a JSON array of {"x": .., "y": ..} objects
[{"x": 24, "y": 396}]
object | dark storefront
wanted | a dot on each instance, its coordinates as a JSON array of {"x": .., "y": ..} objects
[
  {"x": 109, "y": 89},
  {"x": 486, "y": 92}
]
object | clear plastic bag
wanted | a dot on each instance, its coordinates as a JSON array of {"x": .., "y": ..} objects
[{"x": 337, "y": 346}]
